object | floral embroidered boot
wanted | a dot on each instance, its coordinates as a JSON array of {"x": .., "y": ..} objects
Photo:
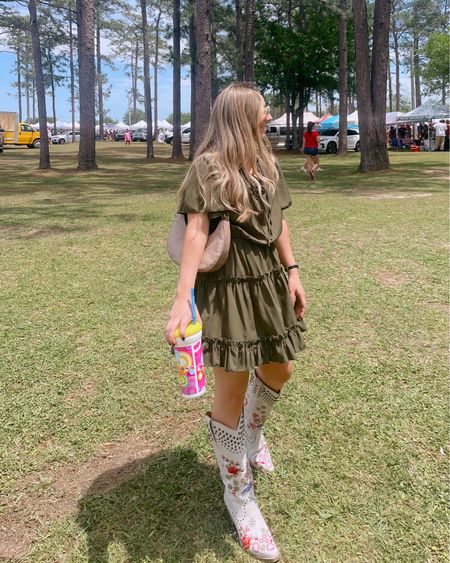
[
  {"x": 230, "y": 449},
  {"x": 259, "y": 401}
]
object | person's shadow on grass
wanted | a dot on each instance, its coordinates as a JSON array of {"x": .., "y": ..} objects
[{"x": 170, "y": 511}]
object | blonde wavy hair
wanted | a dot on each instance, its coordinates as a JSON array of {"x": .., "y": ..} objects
[{"x": 234, "y": 146}]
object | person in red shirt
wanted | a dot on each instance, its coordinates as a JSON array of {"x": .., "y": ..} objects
[{"x": 311, "y": 150}]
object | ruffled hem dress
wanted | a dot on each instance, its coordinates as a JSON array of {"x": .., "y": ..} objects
[{"x": 246, "y": 310}]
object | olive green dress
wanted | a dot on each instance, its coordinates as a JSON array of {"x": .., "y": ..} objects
[{"x": 246, "y": 309}]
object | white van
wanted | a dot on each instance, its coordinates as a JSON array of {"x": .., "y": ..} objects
[{"x": 277, "y": 135}]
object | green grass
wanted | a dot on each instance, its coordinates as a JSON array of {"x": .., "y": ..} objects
[{"x": 86, "y": 287}]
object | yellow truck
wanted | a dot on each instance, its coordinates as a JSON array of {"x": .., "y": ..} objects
[{"x": 16, "y": 133}]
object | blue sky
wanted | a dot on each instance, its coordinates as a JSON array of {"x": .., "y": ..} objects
[{"x": 117, "y": 103}]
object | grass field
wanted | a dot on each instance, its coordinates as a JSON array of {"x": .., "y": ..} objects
[{"x": 100, "y": 458}]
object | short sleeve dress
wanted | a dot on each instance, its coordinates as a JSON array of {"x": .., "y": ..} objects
[{"x": 246, "y": 309}]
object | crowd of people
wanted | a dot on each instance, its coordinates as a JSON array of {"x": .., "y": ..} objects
[{"x": 404, "y": 136}]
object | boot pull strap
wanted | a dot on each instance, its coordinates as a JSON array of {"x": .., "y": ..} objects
[{"x": 211, "y": 429}]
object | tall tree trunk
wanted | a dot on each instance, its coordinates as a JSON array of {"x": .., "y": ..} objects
[
  {"x": 100, "y": 84},
  {"x": 397, "y": 68},
  {"x": 249, "y": 39},
  {"x": 239, "y": 42},
  {"x": 444, "y": 92},
  {"x": 19, "y": 81},
  {"x": 331, "y": 98},
  {"x": 296, "y": 141},
  {"x": 135, "y": 88},
  {"x": 317, "y": 103},
  {"x": 214, "y": 63},
  {"x": 177, "y": 151},
  {"x": 155, "y": 87},
  {"x": 411, "y": 67},
  {"x": 44, "y": 153},
  {"x": 389, "y": 76},
  {"x": 371, "y": 83},
  {"x": 34, "y": 96},
  {"x": 287, "y": 110},
  {"x": 292, "y": 99},
  {"x": 72, "y": 74},
  {"x": 343, "y": 85},
  {"x": 417, "y": 70},
  {"x": 52, "y": 88},
  {"x": 86, "y": 66},
  {"x": 203, "y": 69},
  {"x": 147, "y": 88},
  {"x": 27, "y": 94},
  {"x": 193, "y": 52}
]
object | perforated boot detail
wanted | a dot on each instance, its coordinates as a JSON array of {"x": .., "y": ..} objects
[
  {"x": 259, "y": 402},
  {"x": 239, "y": 496}
]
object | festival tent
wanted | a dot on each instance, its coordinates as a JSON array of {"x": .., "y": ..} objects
[
  {"x": 352, "y": 119},
  {"x": 36, "y": 125},
  {"x": 332, "y": 121},
  {"x": 186, "y": 125},
  {"x": 139, "y": 125},
  {"x": 143, "y": 124},
  {"x": 121, "y": 125},
  {"x": 426, "y": 112},
  {"x": 391, "y": 117},
  {"x": 326, "y": 116},
  {"x": 164, "y": 124},
  {"x": 307, "y": 116}
]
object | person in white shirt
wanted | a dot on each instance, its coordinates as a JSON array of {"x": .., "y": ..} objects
[{"x": 440, "y": 129}]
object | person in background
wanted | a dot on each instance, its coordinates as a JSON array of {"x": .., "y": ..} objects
[
  {"x": 127, "y": 138},
  {"x": 311, "y": 150},
  {"x": 401, "y": 136},
  {"x": 447, "y": 135},
  {"x": 440, "y": 129},
  {"x": 393, "y": 137}
]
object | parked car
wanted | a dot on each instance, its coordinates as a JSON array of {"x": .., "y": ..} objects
[
  {"x": 62, "y": 138},
  {"x": 119, "y": 136},
  {"x": 185, "y": 136},
  {"x": 277, "y": 135},
  {"x": 329, "y": 139},
  {"x": 2, "y": 131},
  {"x": 139, "y": 135}
]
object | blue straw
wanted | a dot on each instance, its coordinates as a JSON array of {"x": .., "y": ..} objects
[{"x": 194, "y": 312}]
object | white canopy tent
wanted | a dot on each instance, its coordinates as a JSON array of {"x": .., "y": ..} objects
[
  {"x": 391, "y": 117},
  {"x": 162, "y": 124},
  {"x": 36, "y": 125},
  {"x": 165, "y": 124},
  {"x": 307, "y": 116},
  {"x": 139, "y": 125},
  {"x": 352, "y": 118},
  {"x": 426, "y": 112}
]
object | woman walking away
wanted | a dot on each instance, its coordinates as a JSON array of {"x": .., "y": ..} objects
[
  {"x": 252, "y": 308},
  {"x": 127, "y": 138},
  {"x": 311, "y": 150}
]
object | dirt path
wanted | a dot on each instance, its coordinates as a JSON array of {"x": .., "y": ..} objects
[{"x": 49, "y": 495}]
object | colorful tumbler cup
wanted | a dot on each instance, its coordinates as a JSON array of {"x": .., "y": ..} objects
[{"x": 189, "y": 354}]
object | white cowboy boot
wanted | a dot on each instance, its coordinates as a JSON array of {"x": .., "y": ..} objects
[
  {"x": 259, "y": 401},
  {"x": 230, "y": 449}
]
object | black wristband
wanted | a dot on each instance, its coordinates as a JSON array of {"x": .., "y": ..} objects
[{"x": 292, "y": 267}]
